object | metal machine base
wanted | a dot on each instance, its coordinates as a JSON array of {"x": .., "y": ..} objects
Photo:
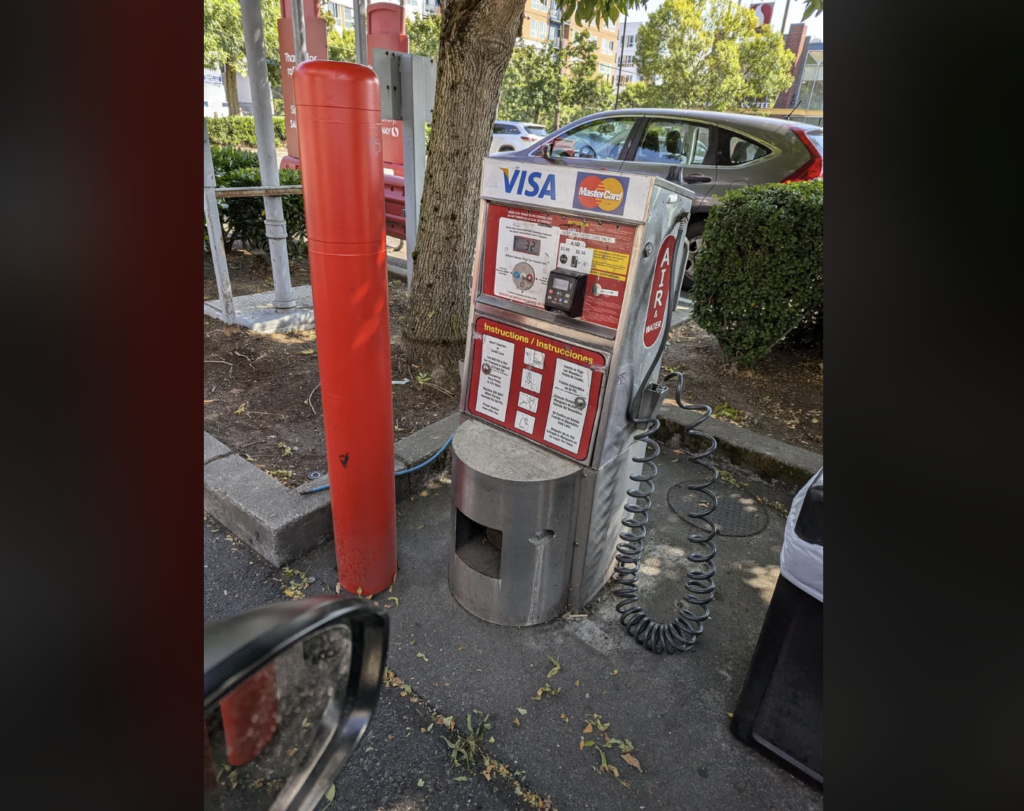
[
  {"x": 513, "y": 524},
  {"x": 533, "y": 533}
]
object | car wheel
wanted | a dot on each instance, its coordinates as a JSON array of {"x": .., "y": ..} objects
[
  {"x": 695, "y": 236},
  {"x": 506, "y": 149}
]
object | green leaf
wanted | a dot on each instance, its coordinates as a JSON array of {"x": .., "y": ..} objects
[
  {"x": 521, "y": 710},
  {"x": 556, "y": 667},
  {"x": 460, "y": 779},
  {"x": 329, "y": 794}
]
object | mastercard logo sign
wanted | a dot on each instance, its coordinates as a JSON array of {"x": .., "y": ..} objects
[{"x": 600, "y": 192}]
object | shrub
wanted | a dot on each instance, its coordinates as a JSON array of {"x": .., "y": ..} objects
[
  {"x": 240, "y": 130},
  {"x": 243, "y": 217},
  {"x": 226, "y": 159},
  {"x": 759, "y": 276}
]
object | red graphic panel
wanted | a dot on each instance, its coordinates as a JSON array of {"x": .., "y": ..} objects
[
  {"x": 657, "y": 306},
  {"x": 523, "y": 246},
  {"x": 534, "y": 385}
]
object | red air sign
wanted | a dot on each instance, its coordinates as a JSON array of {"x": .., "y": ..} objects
[{"x": 657, "y": 307}]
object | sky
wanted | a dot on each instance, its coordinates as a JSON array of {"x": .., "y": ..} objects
[{"x": 815, "y": 25}]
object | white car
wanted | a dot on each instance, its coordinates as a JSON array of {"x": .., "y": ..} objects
[{"x": 513, "y": 135}]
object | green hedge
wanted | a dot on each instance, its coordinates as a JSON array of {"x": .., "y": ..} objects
[
  {"x": 759, "y": 276},
  {"x": 242, "y": 218},
  {"x": 226, "y": 159},
  {"x": 240, "y": 130}
]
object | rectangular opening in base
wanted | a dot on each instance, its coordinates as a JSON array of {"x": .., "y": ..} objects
[{"x": 477, "y": 546}]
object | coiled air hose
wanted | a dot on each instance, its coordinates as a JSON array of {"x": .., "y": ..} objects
[{"x": 685, "y": 629}]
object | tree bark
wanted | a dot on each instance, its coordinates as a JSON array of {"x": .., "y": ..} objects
[
  {"x": 231, "y": 90},
  {"x": 476, "y": 42}
]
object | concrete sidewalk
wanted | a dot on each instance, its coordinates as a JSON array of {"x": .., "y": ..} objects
[{"x": 675, "y": 710}]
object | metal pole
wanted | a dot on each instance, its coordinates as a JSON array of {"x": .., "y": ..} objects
[
  {"x": 299, "y": 31},
  {"x": 415, "y": 114},
  {"x": 359, "y": 13},
  {"x": 622, "y": 48},
  {"x": 263, "y": 112},
  {"x": 220, "y": 262},
  {"x": 785, "y": 16}
]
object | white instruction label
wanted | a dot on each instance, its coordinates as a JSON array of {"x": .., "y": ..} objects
[
  {"x": 532, "y": 357},
  {"x": 524, "y": 422},
  {"x": 525, "y": 254},
  {"x": 528, "y": 401},
  {"x": 574, "y": 255},
  {"x": 568, "y": 407},
  {"x": 495, "y": 377},
  {"x": 532, "y": 380}
]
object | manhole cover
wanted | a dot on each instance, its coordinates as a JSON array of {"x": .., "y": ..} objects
[{"x": 738, "y": 514}]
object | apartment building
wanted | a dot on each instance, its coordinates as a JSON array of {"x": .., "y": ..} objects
[
  {"x": 542, "y": 22},
  {"x": 626, "y": 54}
]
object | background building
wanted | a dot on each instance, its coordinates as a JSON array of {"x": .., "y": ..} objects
[
  {"x": 215, "y": 100},
  {"x": 804, "y": 100},
  {"x": 543, "y": 23},
  {"x": 626, "y": 72}
]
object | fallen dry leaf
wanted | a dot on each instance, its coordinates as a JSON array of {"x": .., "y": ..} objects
[
  {"x": 588, "y": 729},
  {"x": 516, "y": 722},
  {"x": 564, "y": 717},
  {"x": 632, "y": 761}
]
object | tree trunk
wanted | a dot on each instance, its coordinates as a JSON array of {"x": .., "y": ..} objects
[
  {"x": 231, "y": 90},
  {"x": 476, "y": 42}
]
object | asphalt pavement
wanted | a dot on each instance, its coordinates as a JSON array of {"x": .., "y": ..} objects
[{"x": 673, "y": 710}]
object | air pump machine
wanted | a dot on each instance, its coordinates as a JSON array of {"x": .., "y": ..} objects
[{"x": 575, "y": 279}]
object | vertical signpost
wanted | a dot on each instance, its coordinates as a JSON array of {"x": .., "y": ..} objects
[{"x": 316, "y": 48}]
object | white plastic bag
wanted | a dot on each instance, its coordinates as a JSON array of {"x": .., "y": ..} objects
[{"x": 802, "y": 563}]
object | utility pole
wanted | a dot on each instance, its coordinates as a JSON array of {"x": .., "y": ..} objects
[
  {"x": 785, "y": 16},
  {"x": 263, "y": 112},
  {"x": 299, "y": 31},
  {"x": 622, "y": 47},
  {"x": 363, "y": 57}
]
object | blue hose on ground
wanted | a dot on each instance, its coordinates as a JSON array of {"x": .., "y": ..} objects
[{"x": 444, "y": 447}]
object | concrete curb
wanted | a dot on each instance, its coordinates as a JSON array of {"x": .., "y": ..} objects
[
  {"x": 398, "y": 268},
  {"x": 769, "y": 458},
  {"x": 282, "y": 524}
]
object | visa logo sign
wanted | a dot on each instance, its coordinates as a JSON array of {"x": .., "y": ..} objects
[{"x": 529, "y": 183}]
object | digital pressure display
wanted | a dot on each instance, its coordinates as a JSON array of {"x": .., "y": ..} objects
[{"x": 526, "y": 245}]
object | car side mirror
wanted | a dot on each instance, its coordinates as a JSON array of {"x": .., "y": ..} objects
[
  {"x": 546, "y": 149},
  {"x": 289, "y": 691}
]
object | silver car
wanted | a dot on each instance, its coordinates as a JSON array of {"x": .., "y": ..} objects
[{"x": 709, "y": 153}]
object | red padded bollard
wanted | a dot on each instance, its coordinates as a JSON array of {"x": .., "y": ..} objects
[{"x": 338, "y": 110}]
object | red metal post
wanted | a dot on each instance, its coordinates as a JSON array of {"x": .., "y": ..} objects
[
  {"x": 343, "y": 192},
  {"x": 250, "y": 715}
]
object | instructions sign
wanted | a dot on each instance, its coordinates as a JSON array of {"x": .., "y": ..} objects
[
  {"x": 568, "y": 407},
  {"x": 535, "y": 386},
  {"x": 495, "y": 378}
]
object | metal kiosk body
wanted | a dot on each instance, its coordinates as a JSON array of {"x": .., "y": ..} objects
[{"x": 571, "y": 295}]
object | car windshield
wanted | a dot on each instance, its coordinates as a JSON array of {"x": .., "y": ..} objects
[
  {"x": 817, "y": 137},
  {"x": 536, "y": 131},
  {"x": 598, "y": 139}
]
